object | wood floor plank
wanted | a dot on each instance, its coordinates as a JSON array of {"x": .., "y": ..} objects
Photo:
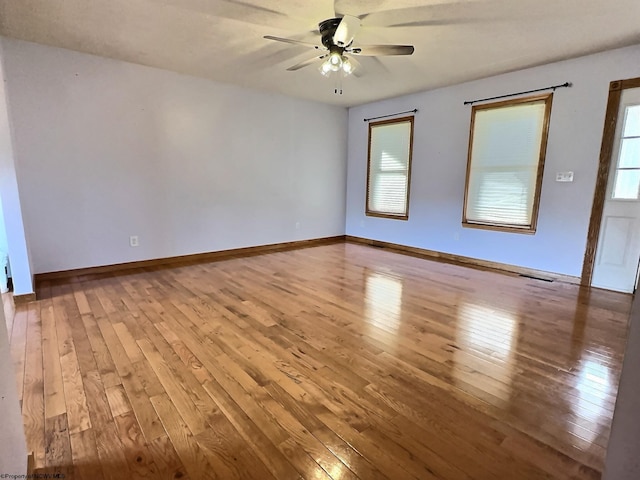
[
  {"x": 232, "y": 400},
  {"x": 75, "y": 399},
  {"x": 551, "y": 461},
  {"x": 18, "y": 341},
  {"x": 128, "y": 342},
  {"x": 166, "y": 459},
  {"x": 275, "y": 461},
  {"x": 163, "y": 360},
  {"x": 81, "y": 342},
  {"x": 61, "y": 314},
  {"x": 118, "y": 401},
  {"x": 58, "y": 457},
  {"x": 349, "y": 457},
  {"x": 179, "y": 397},
  {"x": 110, "y": 451},
  {"x": 84, "y": 453},
  {"x": 140, "y": 461},
  {"x": 54, "y": 404},
  {"x": 33, "y": 399},
  {"x": 336, "y": 362},
  {"x": 101, "y": 354},
  {"x": 229, "y": 453},
  {"x": 190, "y": 452},
  {"x": 306, "y": 441},
  {"x": 378, "y": 454},
  {"x": 138, "y": 397},
  {"x": 142, "y": 407}
]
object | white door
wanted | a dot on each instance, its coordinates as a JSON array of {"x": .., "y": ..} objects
[{"x": 618, "y": 251}]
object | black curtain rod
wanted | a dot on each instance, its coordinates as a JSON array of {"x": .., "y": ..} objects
[
  {"x": 415, "y": 110},
  {"x": 553, "y": 87}
]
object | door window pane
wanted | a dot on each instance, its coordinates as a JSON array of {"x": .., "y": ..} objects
[
  {"x": 632, "y": 122},
  {"x": 627, "y": 185},
  {"x": 630, "y": 153}
]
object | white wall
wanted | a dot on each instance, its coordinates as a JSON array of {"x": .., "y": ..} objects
[
  {"x": 440, "y": 157},
  {"x": 17, "y": 245},
  {"x": 4, "y": 244},
  {"x": 108, "y": 149},
  {"x": 623, "y": 452}
]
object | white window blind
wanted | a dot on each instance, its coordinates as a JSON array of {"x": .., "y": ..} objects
[
  {"x": 389, "y": 167},
  {"x": 505, "y": 157}
]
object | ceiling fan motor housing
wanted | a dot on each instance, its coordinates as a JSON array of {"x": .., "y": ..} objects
[{"x": 328, "y": 30}]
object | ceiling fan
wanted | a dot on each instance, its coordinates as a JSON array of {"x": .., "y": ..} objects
[{"x": 337, "y": 37}]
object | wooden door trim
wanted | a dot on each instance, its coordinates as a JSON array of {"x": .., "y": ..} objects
[{"x": 606, "y": 150}]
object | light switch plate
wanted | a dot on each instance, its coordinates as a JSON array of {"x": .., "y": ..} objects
[{"x": 564, "y": 177}]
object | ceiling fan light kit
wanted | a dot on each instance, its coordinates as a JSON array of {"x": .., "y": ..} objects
[
  {"x": 337, "y": 36},
  {"x": 347, "y": 66},
  {"x": 336, "y": 63}
]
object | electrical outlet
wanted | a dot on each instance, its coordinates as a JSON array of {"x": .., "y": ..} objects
[
  {"x": 297, "y": 225},
  {"x": 133, "y": 241}
]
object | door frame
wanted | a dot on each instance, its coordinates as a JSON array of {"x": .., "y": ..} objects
[{"x": 606, "y": 151}]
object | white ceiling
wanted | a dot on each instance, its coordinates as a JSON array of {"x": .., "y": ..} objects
[{"x": 455, "y": 41}]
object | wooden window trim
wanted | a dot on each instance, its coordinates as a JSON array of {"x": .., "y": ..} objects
[
  {"x": 373, "y": 213},
  {"x": 548, "y": 100}
]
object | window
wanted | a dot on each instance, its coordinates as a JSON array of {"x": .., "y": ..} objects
[
  {"x": 507, "y": 146},
  {"x": 627, "y": 182},
  {"x": 389, "y": 168}
]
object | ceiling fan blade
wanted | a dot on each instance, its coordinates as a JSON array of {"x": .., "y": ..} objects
[
  {"x": 376, "y": 50},
  {"x": 426, "y": 23},
  {"x": 305, "y": 63},
  {"x": 237, "y": 10},
  {"x": 250, "y": 6},
  {"x": 355, "y": 8},
  {"x": 292, "y": 41},
  {"x": 450, "y": 12},
  {"x": 346, "y": 31}
]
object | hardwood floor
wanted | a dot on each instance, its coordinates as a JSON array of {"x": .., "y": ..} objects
[{"x": 333, "y": 362}]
